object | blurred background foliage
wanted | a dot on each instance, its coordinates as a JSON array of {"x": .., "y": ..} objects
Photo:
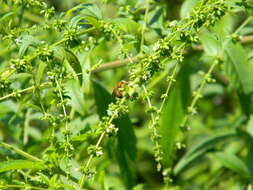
[{"x": 216, "y": 153}]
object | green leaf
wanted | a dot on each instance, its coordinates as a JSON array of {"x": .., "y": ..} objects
[
  {"x": 186, "y": 8},
  {"x": 128, "y": 25},
  {"x": 248, "y": 138},
  {"x": 210, "y": 143},
  {"x": 6, "y": 15},
  {"x": 74, "y": 63},
  {"x": 102, "y": 97},
  {"x": 231, "y": 162},
  {"x": 75, "y": 20},
  {"x": 245, "y": 102},
  {"x": 76, "y": 96},
  {"x": 7, "y": 106},
  {"x": 200, "y": 149},
  {"x": 39, "y": 73},
  {"x": 238, "y": 68},
  {"x": 250, "y": 125},
  {"x": 249, "y": 160},
  {"x": 62, "y": 54},
  {"x": 82, "y": 137},
  {"x": 170, "y": 120},
  {"x": 19, "y": 164},
  {"x": 126, "y": 140},
  {"x": 70, "y": 166},
  {"x": 211, "y": 43},
  {"x": 139, "y": 187},
  {"x": 156, "y": 17},
  {"x": 86, "y": 9},
  {"x": 126, "y": 150},
  {"x": 20, "y": 76},
  {"x": 93, "y": 21},
  {"x": 101, "y": 180},
  {"x": 26, "y": 41},
  {"x": 224, "y": 27},
  {"x": 91, "y": 10}
]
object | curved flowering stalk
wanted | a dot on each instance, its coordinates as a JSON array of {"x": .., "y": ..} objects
[
  {"x": 105, "y": 127},
  {"x": 150, "y": 64},
  {"x": 155, "y": 115},
  {"x": 191, "y": 110}
]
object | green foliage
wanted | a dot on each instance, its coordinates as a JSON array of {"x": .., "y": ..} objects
[
  {"x": 136, "y": 95},
  {"x": 170, "y": 126},
  {"x": 19, "y": 164},
  {"x": 238, "y": 62}
]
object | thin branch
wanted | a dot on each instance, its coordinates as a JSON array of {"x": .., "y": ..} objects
[
  {"x": 117, "y": 64},
  {"x": 20, "y": 152},
  {"x": 36, "y": 54},
  {"x": 121, "y": 63},
  {"x": 113, "y": 65},
  {"x": 23, "y": 91},
  {"x": 246, "y": 39}
]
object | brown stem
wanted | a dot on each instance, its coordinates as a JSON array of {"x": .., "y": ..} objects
[
  {"x": 113, "y": 65},
  {"x": 121, "y": 63},
  {"x": 246, "y": 39}
]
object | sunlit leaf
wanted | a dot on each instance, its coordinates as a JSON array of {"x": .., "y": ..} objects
[
  {"x": 62, "y": 54},
  {"x": 128, "y": 25},
  {"x": 211, "y": 43},
  {"x": 19, "y": 164},
  {"x": 40, "y": 72},
  {"x": 238, "y": 68},
  {"x": 86, "y": 9},
  {"x": 187, "y": 7},
  {"x": 75, "y": 93},
  {"x": 25, "y": 42}
]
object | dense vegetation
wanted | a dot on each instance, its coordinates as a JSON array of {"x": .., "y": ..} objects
[{"x": 126, "y": 94}]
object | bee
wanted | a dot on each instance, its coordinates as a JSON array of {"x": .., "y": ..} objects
[{"x": 116, "y": 91}]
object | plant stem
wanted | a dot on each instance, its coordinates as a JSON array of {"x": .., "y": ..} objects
[
  {"x": 61, "y": 41},
  {"x": 21, "y": 152},
  {"x": 113, "y": 65},
  {"x": 169, "y": 85},
  {"x": 198, "y": 91},
  {"x": 121, "y": 63},
  {"x": 149, "y": 104},
  {"x": 65, "y": 117},
  {"x": 81, "y": 182},
  {"x": 245, "y": 22},
  {"x": 51, "y": 46},
  {"x": 24, "y": 90}
]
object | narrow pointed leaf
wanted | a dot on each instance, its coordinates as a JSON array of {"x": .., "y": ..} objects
[
  {"x": 201, "y": 149},
  {"x": 172, "y": 116},
  {"x": 232, "y": 162},
  {"x": 40, "y": 72},
  {"x": 62, "y": 54},
  {"x": 238, "y": 68},
  {"x": 76, "y": 96},
  {"x": 126, "y": 140},
  {"x": 19, "y": 164}
]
